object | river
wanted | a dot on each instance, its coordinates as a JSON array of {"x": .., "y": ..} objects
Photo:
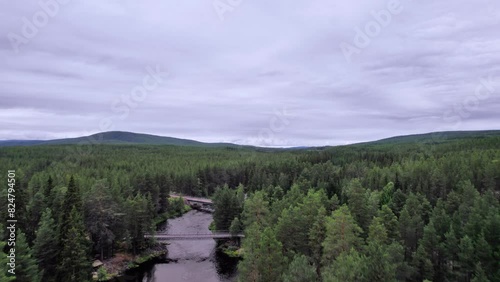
[{"x": 188, "y": 261}]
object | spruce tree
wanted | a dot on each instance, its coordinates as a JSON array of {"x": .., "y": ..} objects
[
  {"x": 46, "y": 245},
  {"x": 479, "y": 274},
  {"x": 317, "y": 235},
  {"x": 72, "y": 199},
  {"x": 74, "y": 264},
  {"x": 26, "y": 265}
]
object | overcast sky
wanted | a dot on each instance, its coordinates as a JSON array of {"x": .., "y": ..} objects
[{"x": 269, "y": 73}]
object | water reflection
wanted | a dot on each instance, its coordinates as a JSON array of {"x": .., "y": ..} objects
[{"x": 188, "y": 261}]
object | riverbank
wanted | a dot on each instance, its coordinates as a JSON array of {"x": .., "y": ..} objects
[
  {"x": 171, "y": 215},
  {"x": 187, "y": 260},
  {"x": 117, "y": 265},
  {"x": 230, "y": 248}
]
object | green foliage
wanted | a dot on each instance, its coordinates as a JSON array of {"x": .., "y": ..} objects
[
  {"x": 256, "y": 210},
  {"x": 263, "y": 259},
  {"x": 100, "y": 215},
  {"x": 74, "y": 264},
  {"x": 317, "y": 235},
  {"x": 236, "y": 226},
  {"x": 46, "y": 245},
  {"x": 176, "y": 206},
  {"x": 72, "y": 199},
  {"x": 390, "y": 222},
  {"x": 342, "y": 234},
  {"x": 295, "y": 222},
  {"x": 139, "y": 221},
  {"x": 227, "y": 206},
  {"x": 479, "y": 274},
  {"x": 349, "y": 266},
  {"x": 4, "y": 275},
  {"x": 387, "y": 192},
  {"x": 379, "y": 263},
  {"x": 102, "y": 274},
  {"x": 26, "y": 264},
  {"x": 300, "y": 270},
  {"x": 358, "y": 202}
]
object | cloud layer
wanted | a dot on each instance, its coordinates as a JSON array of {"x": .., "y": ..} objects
[{"x": 269, "y": 73}]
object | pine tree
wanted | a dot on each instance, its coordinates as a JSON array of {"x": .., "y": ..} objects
[
  {"x": 452, "y": 250},
  {"x": 349, "y": 266},
  {"x": 359, "y": 204},
  {"x": 342, "y": 234},
  {"x": 300, "y": 270},
  {"x": 292, "y": 230},
  {"x": 412, "y": 222},
  {"x": 317, "y": 235},
  {"x": 248, "y": 267},
  {"x": 271, "y": 263},
  {"x": 379, "y": 266},
  {"x": 387, "y": 192},
  {"x": 466, "y": 257},
  {"x": 46, "y": 244},
  {"x": 263, "y": 258},
  {"x": 390, "y": 222},
  {"x": 256, "y": 210}
]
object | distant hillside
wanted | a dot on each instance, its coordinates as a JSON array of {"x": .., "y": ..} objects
[
  {"x": 129, "y": 138},
  {"x": 437, "y": 137},
  {"x": 118, "y": 137},
  {"x": 19, "y": 142}
]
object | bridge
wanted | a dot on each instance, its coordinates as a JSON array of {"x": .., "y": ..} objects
[
  {"x": 216, "y": 235},
  {"x": 202, "y": 204}
]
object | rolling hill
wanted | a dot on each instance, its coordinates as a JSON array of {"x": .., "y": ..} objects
[
  {"x": 117, "y": 138},
  {"x": 437, "y": 137},
  {"x": 130, "y": 138}
]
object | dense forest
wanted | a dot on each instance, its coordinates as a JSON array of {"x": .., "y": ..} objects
[{"x": 394, "y": 211}]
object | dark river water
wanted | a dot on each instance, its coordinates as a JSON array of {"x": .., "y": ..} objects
[{"x": 188, "y": 261}]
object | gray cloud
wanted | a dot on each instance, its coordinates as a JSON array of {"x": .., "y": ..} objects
[{"x": 228, "y": 80}]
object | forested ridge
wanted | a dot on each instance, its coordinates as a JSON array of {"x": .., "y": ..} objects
[{"x": 369, "y": 212}]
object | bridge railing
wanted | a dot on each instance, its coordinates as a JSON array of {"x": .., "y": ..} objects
[{"x": 215, "y": 232}]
